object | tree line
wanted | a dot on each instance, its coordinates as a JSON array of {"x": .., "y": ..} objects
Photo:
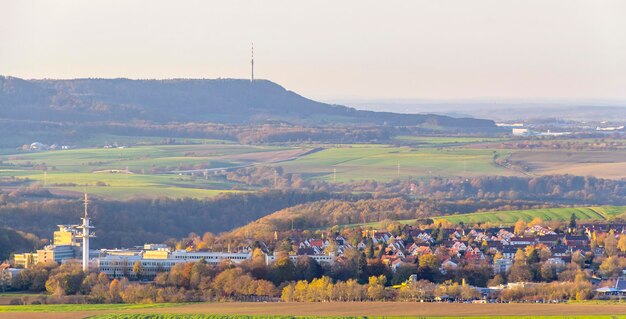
[
  {"x": 355, "y": 278},
  {"x": 560, "y": 189},
  {"x": 135, "y": 222}
]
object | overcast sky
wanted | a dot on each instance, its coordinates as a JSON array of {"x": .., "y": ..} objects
[{"x": 332, "y": 49}]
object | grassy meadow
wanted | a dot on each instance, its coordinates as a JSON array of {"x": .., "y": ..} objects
[
  {"x": 201, "y": 316},
  {"x": 155, "y": 167},
  {"x": 444, "y": 140},
  {"x": 280, "y": 310},
  {"x": 547, "y": 214},
  {"x": 79, "y": 170},
  {"x": 82, "y": 307},
  {"x": 88, "y": 169},
  {"x": 595, "y": 213},
  {"x": 381, "y": 163}
]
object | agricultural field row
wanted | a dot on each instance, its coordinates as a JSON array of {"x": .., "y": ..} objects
[
  {"x": 141, "y": 171},
  {"x": 202, "y": 316},
  {"x": 279, "y": 310},
  {"x": 156, "y": 168},
  {"x": 547, "y": 214},
  {"x": 445, "y": 140},
  {"x": 596, "y": 213},
  {"x": 91, "y": 169},
  {"x": 384, "y": 163}
]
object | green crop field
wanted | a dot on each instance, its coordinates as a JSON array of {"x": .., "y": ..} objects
[
  {"x": 157, "y": 168},
  {"x": 137, "y": 158},
  {"x": 79, "y": 170},
  {"x": 381, "y": 163},
  {"x": 547, "y": 214},
  {"x": 89, "y": 169},
  {"x": 444, "y": 140},
  {"x": 258, "y": 310},
  {"x": 199, "y": 316},
  {"x": 99, "y": 140},
  {"x": 125, "y": 186},
  {"x": 512, "y": 216},
  {"x": 83, "y": 307}
]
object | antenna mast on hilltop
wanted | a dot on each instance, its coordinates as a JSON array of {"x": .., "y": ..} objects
[
  {"x": 86, "y": 227},
  {"x": 252, "y": 64}
]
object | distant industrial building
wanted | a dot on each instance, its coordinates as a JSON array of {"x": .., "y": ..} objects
[
  {"x": 65, "y": 246},
  {"x": 328, "y": 259},
  {"x": 520, "y": 132},
  {"x": 120, "y": 263},
  {"x": 71, "y": 242}
]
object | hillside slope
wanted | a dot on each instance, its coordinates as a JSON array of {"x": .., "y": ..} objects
[
  {"x": 12, "y": 241},
  {"x": 191, "y": 100}
]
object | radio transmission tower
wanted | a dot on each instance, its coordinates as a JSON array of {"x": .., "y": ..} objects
[{"x": 252, "y": 64}]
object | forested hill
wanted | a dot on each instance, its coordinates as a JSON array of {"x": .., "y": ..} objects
[{"x": 190, "y": 100}]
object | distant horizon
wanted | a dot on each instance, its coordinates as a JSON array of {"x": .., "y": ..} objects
[
  {"x": 450, "y": 50},
  {"x": 562, "y": 102}
]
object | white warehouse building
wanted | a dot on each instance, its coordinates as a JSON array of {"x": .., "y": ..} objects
[{"x": 120, "y": 263}]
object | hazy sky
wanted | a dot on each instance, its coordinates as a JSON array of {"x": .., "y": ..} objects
[{"x": 432, "y": 49}]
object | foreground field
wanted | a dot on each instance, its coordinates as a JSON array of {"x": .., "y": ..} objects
[
  {"x": 338, "y": 309},
  {"x": 156, "y": 316}
]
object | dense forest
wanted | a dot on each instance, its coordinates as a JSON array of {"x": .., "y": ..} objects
[
  {"x": 12, "y": 240},
  {"x": 135, "y": 222},
  {"x": 328, "y": 213},
  {"x": 19, "y": 132},
  {"x": 184, "y": 100},
  {"x": 559, "y": 189}
]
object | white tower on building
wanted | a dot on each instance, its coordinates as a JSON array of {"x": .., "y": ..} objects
[{"x": 86, "y": 227}]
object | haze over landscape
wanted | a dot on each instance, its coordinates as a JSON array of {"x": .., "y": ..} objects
[
  {"x": 358, "y": 49},
  {"x": 431, "y": 159}
]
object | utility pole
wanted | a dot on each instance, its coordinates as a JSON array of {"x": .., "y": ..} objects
[
  {"x": 334, "y": 174},
  {"x": 398, "y": 168},
  {"x": 275, "y": 178}
]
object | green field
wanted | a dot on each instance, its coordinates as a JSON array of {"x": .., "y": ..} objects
[
  {"x": 137, "y": 158},
  {"x": 89, "y": 169},
  {"x": 157, "y": 168},
  {"x": 381, "y": 163},
  {"x": 547, "y": 214},
  {"x": 444, "y": 140},
  {"x": 595, "y": 213},
  {"x": 125, "y": 185},
  {"x": 257, "y": 310},
  {"x": 100, "y": 140},
  {"x": 83, "y": 307},
  {"x": 199, "y": 316}
]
